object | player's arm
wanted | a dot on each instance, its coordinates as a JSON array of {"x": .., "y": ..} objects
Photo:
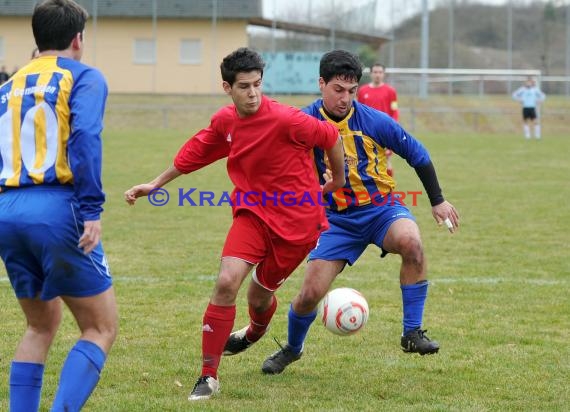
[
  {"x": 336, "y": 159},
  {"x": 87, "y": 106},
  {"x": 395, "y": 112},
  {"x": 144, "y": 189},
  {"x": 394, "y": 137},
  {"x": 441, "y": 209},
  {"x": 204, "y": 148},
  {"x": 517, "y": 94}
]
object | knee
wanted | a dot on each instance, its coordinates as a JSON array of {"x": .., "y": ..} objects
[
  {"x": 103, "y": 334},
  {"x": 226, "y": 289},
  {"x": 111, "y": 331},
  {"x": 46, "y": 331},
  {"x": 259, "y": 302},
  {"x": 411, "y": 250},
  {"x": 308, "y": 299},
  {"x": 106, "y": 331},
  {"x": 46, "y": 327}
]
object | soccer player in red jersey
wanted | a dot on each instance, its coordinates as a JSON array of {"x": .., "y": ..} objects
[
  {"x": 380, "y": 96},
  {"x": 277, "y": 217}
]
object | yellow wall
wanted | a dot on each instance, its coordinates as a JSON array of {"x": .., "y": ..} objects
[
  {"x": 109, "y": 47},
  {"x": 18, "y": 40}
]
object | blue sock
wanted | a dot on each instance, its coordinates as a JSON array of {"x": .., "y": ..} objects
[
  {"x": 297, "y": 329},
  {"x": 413, "y": 300},
  {"x": 25, "y": 386},
  {"x": 79, "y": 376}
]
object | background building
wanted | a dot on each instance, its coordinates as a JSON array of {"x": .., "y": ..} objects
[{"x": 145, "y": 46}]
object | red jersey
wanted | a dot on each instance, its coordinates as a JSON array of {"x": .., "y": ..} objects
[
  {"x": 383, "y": 98},
  {"x": 270, "y": 164}
]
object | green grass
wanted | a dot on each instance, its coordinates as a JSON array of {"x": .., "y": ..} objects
[{"x": 498, "y": 300}]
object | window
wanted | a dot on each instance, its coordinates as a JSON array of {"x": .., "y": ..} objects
[
  {"x": 144, "y": 51},
  {"x": 190, "y": 51}
]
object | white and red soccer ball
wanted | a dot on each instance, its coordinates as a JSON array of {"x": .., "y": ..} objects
[{"x": 344, "y": 311}]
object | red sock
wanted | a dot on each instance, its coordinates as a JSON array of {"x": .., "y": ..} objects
[
  {"x": 216, "y": 328},
  {"x": 260, "y": 322}
]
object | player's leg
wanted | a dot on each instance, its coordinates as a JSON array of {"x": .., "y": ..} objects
[
  {"x": 319, "y": 276},
  {"x": 281, "y": 259},
  {"x": 217, "y": 324},
  {"x": 526, "y": 123},
  {"x": 26, "y": 370},
  {"x": 262, "y": 304},
  {"x": 403, "y": 238},
  {"x": 96, "y": 317},
  {"x": 535, "y": 124},
  {"x": 244, "y": 247},
  {"x": 19, "y": 225},
  {"x": 342, "y": 243}
]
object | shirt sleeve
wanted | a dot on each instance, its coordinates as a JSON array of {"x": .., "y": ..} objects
[
  {"x": 516, "y": 94},
  {"x": 207, "y": 146},
  {"x": 87, "y": 107},
  {"x": 395, "y": 113},
  {"x": 310, "y": 132}
]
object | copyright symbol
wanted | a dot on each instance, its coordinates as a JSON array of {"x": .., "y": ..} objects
[{"x": 158, "y": 197}]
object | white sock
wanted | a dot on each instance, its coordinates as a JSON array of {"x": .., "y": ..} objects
[
  {"x": 527, "y": 131},
  {"x": 537, "y": 131}
]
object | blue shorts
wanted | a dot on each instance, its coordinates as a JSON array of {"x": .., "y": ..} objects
[
  {"x": 352, "y": 230},
  {"x": 39, "y": 232}
]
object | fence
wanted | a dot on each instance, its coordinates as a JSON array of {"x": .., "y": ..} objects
[{"x": 415, "y": 115}]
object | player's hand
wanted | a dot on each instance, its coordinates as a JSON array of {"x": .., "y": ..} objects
[
  {"x": 137, "y": 191},
  {"x": 91, "y": 235},
  {"x": 330, "y": 185},
  {"x": 445, "y": 213}
]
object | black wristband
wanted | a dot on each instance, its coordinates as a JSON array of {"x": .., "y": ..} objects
[{"x": 428, "y": 178}]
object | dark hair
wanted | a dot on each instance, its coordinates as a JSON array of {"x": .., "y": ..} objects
[
  {"x": 378, "y": 65},
  {"x": 56, "y": 22},
  {"x": 243, "y": 60},
  {"x": 340, "y": 63}
]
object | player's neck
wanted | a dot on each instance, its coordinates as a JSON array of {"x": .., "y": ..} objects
[
  {"x": 331, "y": 116},
  {"x": 374, "y": 85},
  {"x": 59, "y": 53}
]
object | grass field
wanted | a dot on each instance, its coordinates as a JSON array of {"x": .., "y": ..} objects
[{"x": 498, "y": 300}]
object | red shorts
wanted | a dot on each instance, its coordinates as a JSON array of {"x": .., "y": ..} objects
[{"x": 250, "y": 239}]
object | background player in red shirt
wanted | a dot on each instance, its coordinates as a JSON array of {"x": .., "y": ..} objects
[
  {"x": 380, "y": 96},
  {"x": 268, "y": 146}
]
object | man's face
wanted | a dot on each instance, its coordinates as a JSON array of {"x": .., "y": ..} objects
[
  {"x": 377, "y": 75},
  {"x": 245, "y": 92},
  {"x": 338, "y": 95}
]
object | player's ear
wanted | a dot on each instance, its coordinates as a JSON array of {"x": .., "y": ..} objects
[
  {"x": 227, "y": 87},
  {"x": 77, "y": 41}
]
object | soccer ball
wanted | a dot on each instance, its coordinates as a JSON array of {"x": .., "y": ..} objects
[{"x": 344, "y": 311}]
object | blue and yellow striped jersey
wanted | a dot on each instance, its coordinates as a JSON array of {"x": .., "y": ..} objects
[
  {"x": 51, "y": 119},
  {"x": 365, "y": 133}
]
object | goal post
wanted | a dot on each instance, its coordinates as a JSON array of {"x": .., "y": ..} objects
[{"x": 458, "y": 81}]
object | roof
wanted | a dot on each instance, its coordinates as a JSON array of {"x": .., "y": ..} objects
[
  {"x": 371, "y": 39},
  {"x": 228, "y": 9}
]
